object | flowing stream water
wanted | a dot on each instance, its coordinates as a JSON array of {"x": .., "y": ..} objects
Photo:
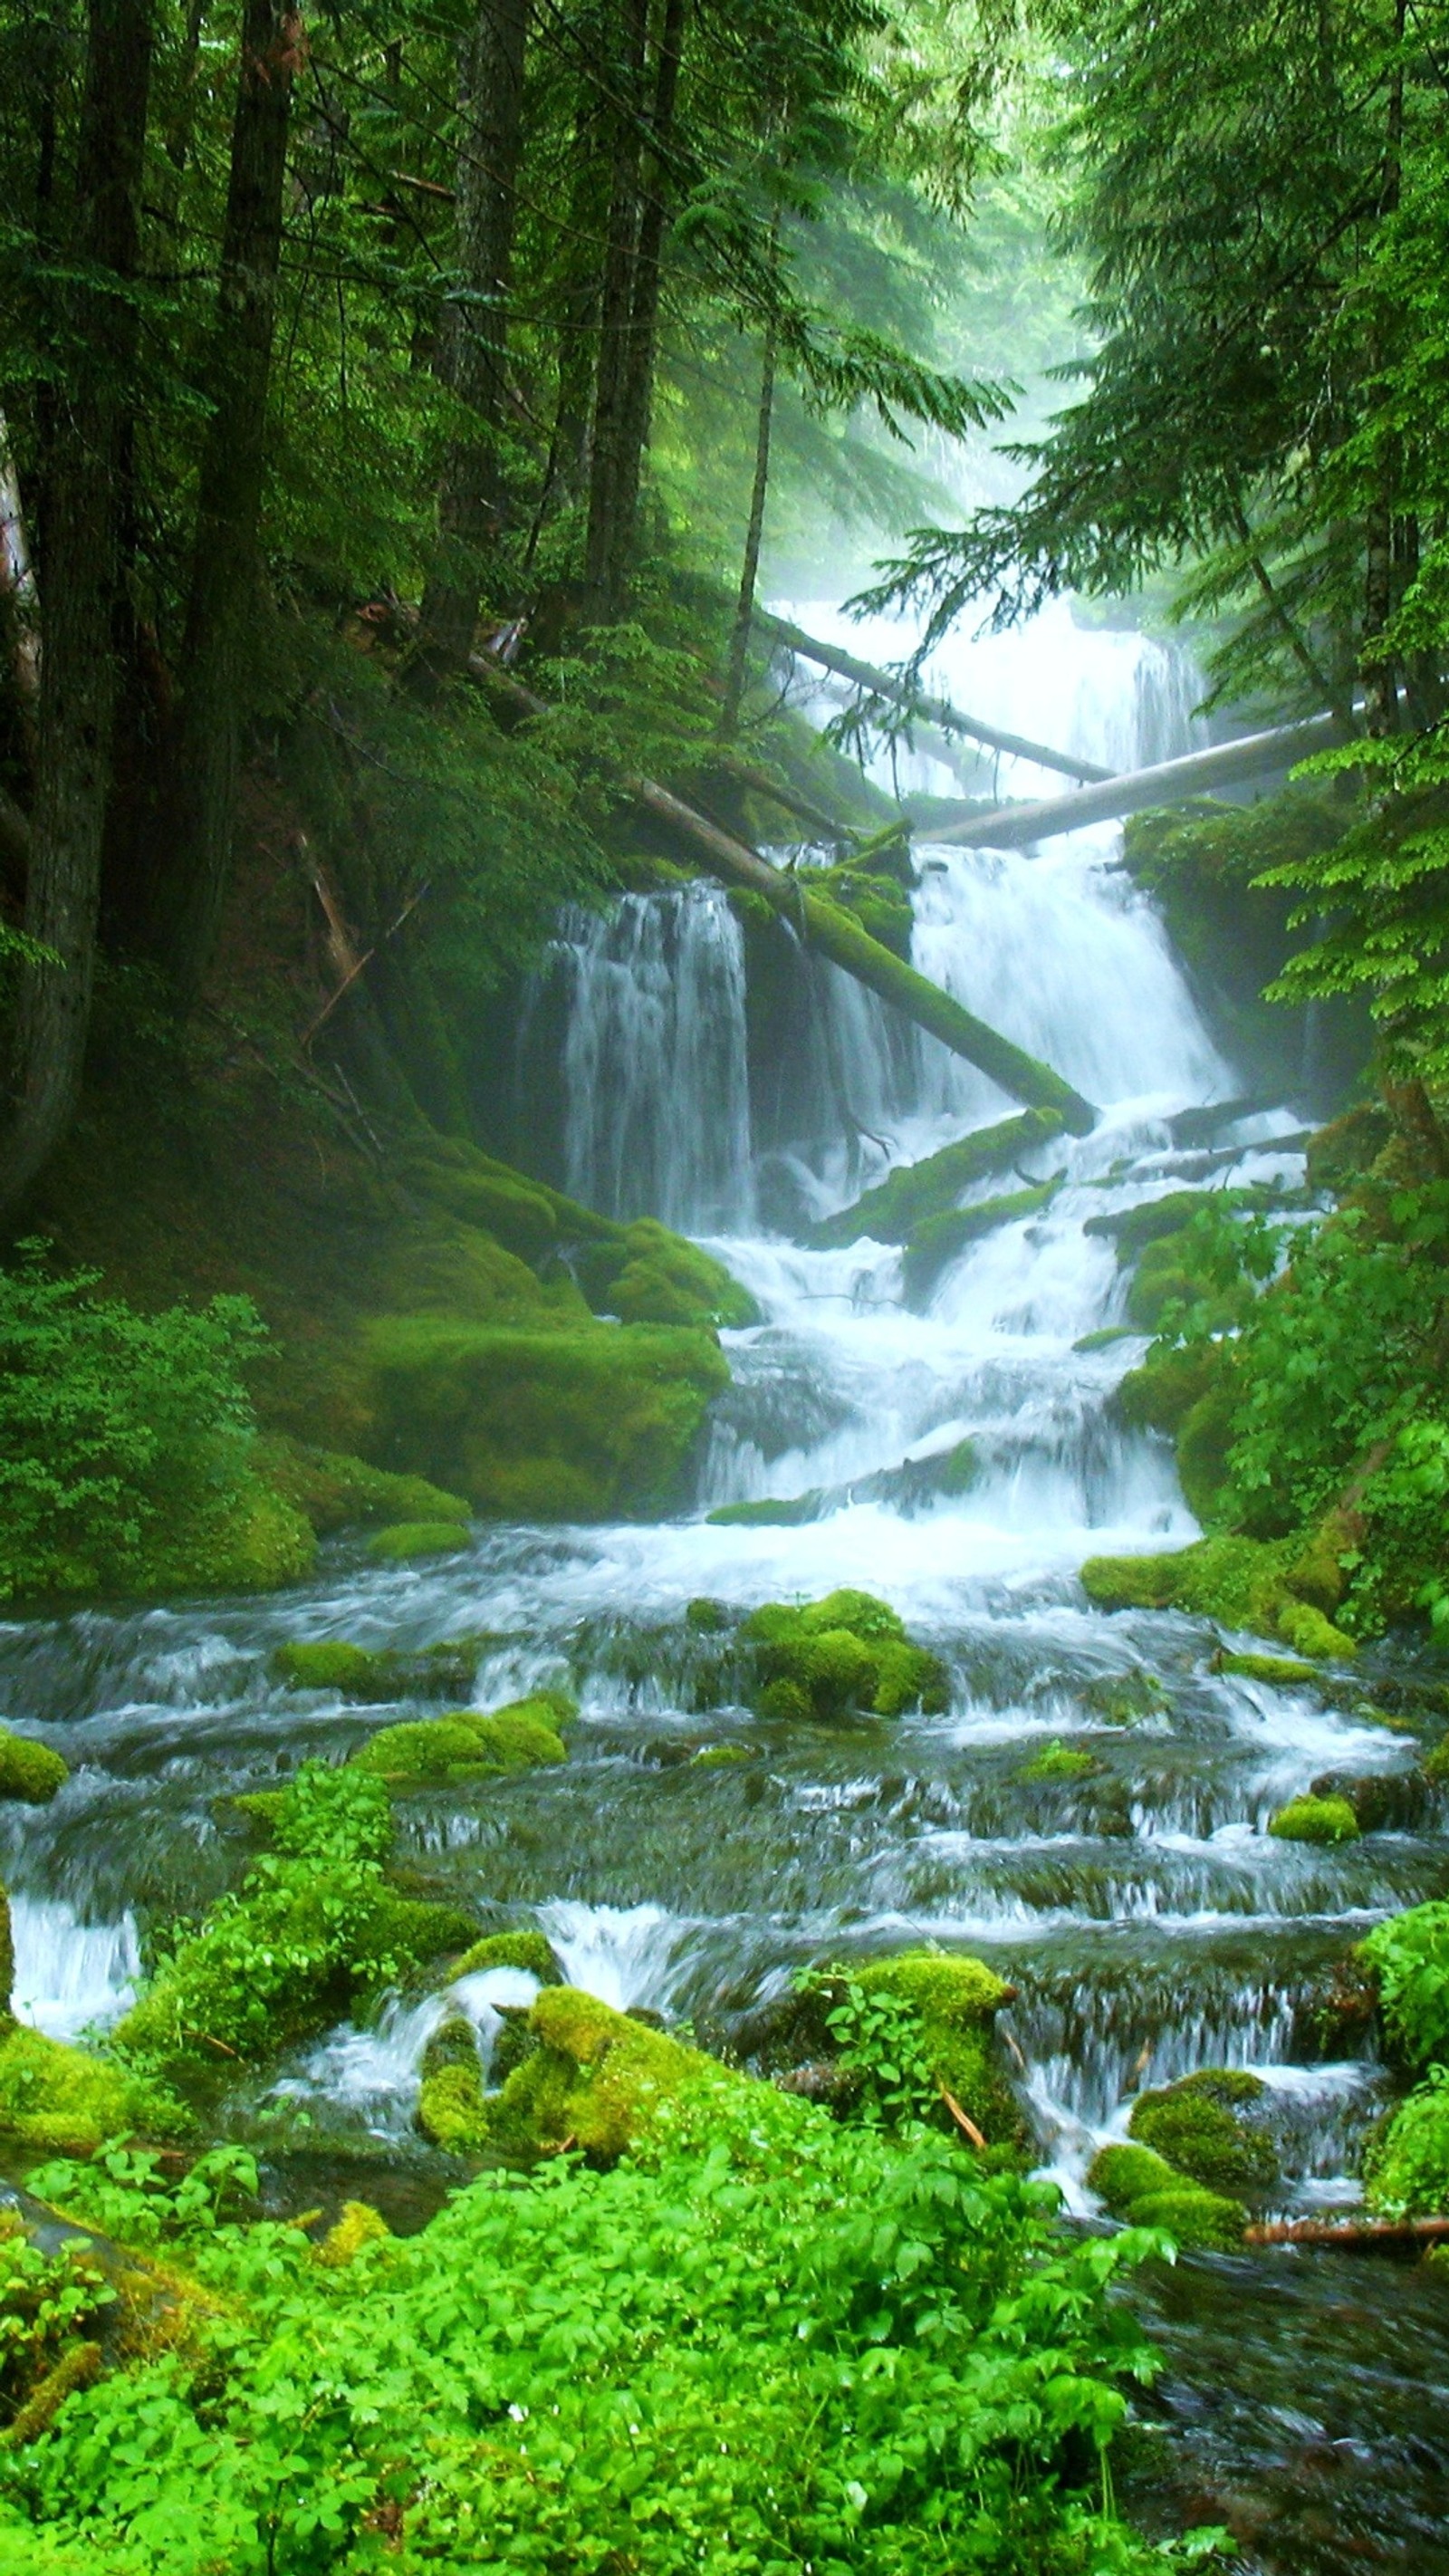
[{"x": 1149, "y": 1923}]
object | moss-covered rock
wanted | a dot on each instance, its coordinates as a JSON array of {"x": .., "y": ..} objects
[
  {"x": 1240, "y": 1582},
  {"x": 828, "y": 1659},
  {"x": 1123, "y": 1699},
  {"x": 66, "y": 2101},
  {"x": 650, "y": 1276},
  {"x": 1282, "y": 1671},
  {"x": 333, "y": 1491},
  {"x": 526, "y": 1949},
  {"x": 792, "y": 1511},
  {"x": 408, "y": 1539},
  {"x": 956, "y": 1999},
  {"x": 599, "y": 2078},
  {"x": 30, "y": 1771},
  {"x": 1315, "y": 1820},
  {"x": 375, "y": 1675},
  {"x": 1143, "y": 2190},
  {"x": 1198, "y": 2126},
  {"x": 452, "y": 2107},
  {"x": 1058, "y": 1761},
  {"x": 466, "y": 1745},
  {"x": 891, "y": 1212},
  {"x": 582, "y": 1425},
  {"x": 356, "y": 2226}
]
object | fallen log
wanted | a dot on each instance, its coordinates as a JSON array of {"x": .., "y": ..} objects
[
  {"x": 1365, "y": 2234},
  {"x": 1168, "y": 782},
  {"x": 832, "y": 933},
  {"x": 937, "y": 711},
  {"x": 891, "y": 1212}
]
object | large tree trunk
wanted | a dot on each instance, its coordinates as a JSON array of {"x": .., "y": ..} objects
[
  {"x": 616, "y": 307},
  {"x": 642, "y": 339},
  {"x": 79, "y": 568},
  {"x": 225, "y": 575},
  {"x": 472, "y": 499}
]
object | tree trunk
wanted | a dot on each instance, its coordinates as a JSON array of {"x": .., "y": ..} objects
[
  {"x": 641, "y": 341},
  {"x": 616, "y": 309},
  {"x": 750, "y": 568},
  {"x": 222, "y": 602},
  {"x": 472, "y": 499},
  {"x": 77, "y": 672}
]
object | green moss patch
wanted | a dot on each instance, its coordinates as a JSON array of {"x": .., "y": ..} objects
[
  {"x": 30, "y": 1771},
  {"x": 526, "y": 1949},
  {"x": 333, "y": 1491},
  {"x": 955, "y": 1999},
  {"x": 431, "y": 1750},
  {"x": 66, "y": 2101},
  {"x": 1058, "y": 1761},
  {"x": 1143, "y": 2190},
  {"x": 583, "y": 1425},
  {"x": 1239, "y": 1582},
  {"x": 375, "y": 1675},
  {"x": 829, "y": 1659},
  {"x": 791, "y": 1512},
  {"x": 1283, "y": 1672},
  {"x": 599, "y": 2078},
  {"x": 1315, "y": 1820},
  {"x": 1197, "y": 2126},
  {"x": 408, "y": 1539}
]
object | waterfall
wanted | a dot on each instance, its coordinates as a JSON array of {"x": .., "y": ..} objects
[{"x": 657, "y": 1116}]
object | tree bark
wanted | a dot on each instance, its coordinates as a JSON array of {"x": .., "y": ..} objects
[
  {"x": 750, "y": 566},
  {"x": 473, "y": 356},
  {"x": 225, "y": 575},
  {"x": 616, "y": 309},
  {"x": 641, "y": 342},
  {"x": 77, "y": 671}
]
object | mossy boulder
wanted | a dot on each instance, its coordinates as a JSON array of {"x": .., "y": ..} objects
[
  {"x": 333, "y": 1491},
  {"x": 1315, "y": 1820},
  {"x": 409, "y": 1539},
  {"x": 452, "y": 2106},
  {"x": 662, "y": 1279},
  {"x": 956, "y": 1999},
  {"x": 1198, "y": 2126},
  {"x": 830, "y": 1659},
  {"x": 1283, "y": 1672},
  {"x": 375, "y": 1675},
  {"x": 1143, "y": 2190},
  {"x": 29, "y": 1771},
  {"x": 599, "y": 2078},
  {"x": 466, "y": 1745},
  {"x": 66, "y": 2101},
  {"x": 793, "y": 1511},
  {"x": 1239, "y": 1582},
  {"x": 1058, "y": 1761},
  {"x": 526, "y": 1949},
  {"x": 591, "y": 1424}
]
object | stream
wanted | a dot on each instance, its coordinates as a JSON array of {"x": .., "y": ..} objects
[{"x": 1149, "y": 1923}]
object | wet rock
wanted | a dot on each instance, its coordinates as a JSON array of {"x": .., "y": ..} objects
[{"x": 1383, "y": 1802}]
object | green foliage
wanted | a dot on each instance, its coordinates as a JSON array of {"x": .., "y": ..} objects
[
  {"x": 48, "y": 2300},
  {"x": 794, "y": 2340},
  {"x": 30, "y": 1771},
  {"x": 127, "y": 1444},
  {"x": 1406, "y": 2169},
  {"x": 65, "y": 2101},
  {"x": 313, "y": 1929},
  {"x": 1058, "y": 1761},
  {"x": 879, "y": 2044},
  {"x": 1409, "y": 1955},
  {"x": 124, "y": 2191},
  {"x": 334, "y": 1491},
  {"x": 1315, "y": 1820}
]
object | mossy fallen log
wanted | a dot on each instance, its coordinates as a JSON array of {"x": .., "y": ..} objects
[
  {"x": 822, "y": 926},
  {"x": 892, "y": 1211},
  {"x": 935, "y": 1243}
]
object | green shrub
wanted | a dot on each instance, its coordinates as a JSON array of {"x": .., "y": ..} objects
[
  {"x": 30, "y": 1771},
  {"x": 1406, "y": 2170},
  {"x": 334, "y": 1491},
  {"x": 1058, "y": 1761},
  {"x": 128, "y": 1445},
  {"x": 1315, "y": 1820},
  {"x": 1409, "y": 1955}
]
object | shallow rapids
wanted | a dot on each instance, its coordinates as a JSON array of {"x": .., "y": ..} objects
[{"x": 1148, "y": 1921}]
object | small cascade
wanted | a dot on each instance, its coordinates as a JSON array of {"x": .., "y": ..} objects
[
  {"x": 70, "y": 1975},
  {"x": 657, "y": 1118}
]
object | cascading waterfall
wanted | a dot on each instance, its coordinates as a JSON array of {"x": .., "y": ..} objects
[{"x": 1148, "y": 1920}]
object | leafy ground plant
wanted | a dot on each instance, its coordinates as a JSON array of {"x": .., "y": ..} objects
[{"x": 776, "y": 2342}]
